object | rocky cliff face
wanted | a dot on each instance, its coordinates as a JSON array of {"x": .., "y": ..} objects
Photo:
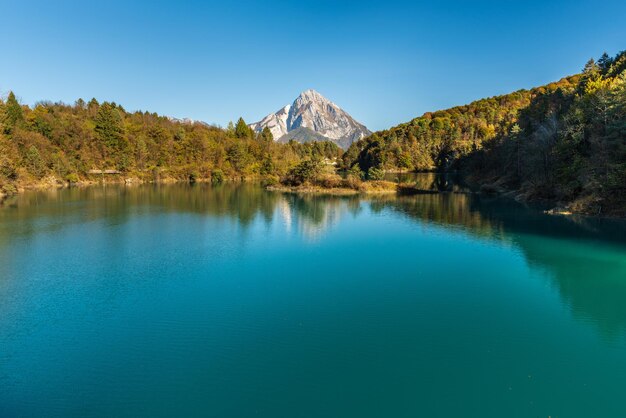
[{"x": 312, "y": 116}]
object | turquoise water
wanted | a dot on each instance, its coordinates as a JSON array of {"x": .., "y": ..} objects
[{"x": 237, "y": 302}]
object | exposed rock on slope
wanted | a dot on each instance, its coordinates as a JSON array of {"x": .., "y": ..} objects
[{"x": 313, "y": 117}]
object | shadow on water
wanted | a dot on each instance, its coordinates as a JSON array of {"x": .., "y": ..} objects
[
  {"x": 436, "y": 182},
  {"x": 585, "y": 258}
]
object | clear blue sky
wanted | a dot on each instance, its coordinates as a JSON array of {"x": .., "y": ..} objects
[{"x": 383, "y": 62}]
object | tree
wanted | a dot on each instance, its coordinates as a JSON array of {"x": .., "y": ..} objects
[
  {"x": 405, "y": 161},
  {"x": 266, "y": 135},
  {"x": 242, "y": 130},
  {"x": 604, "y": 63},
  {"x": 267, "y": 167},
  {"x": 217, "y": 176},
  {"x": 307, "y": 171},
  {"x": 238, "y": 155},
  {"x": 14, "y": 114},
  {"x": 34, "y": 162},
  {"x": 110, "y": 132},
  {"x": 375, "y": 174},
  {"x": 516, "y": 133},
  {"x": 109, "y": 126},
  {"x": 356, "y": 172}
]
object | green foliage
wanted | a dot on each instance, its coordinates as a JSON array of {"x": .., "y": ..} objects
[
  {"x": 8, "y": 171},
  {"x": 266, "y": 135},
  {"x": 72, "y": 178},
  {"x": 306, "y": 171},
  {"x": 34, "y": 162},
  {"x": 109, "y": 127},
  {"x": 438, "y": 140},
  {"x": 564, "y": 141},
  {"x": 356, "y": 172},
  {"x": 238, "y": 156},
  {"x": 267, "y": 166},
  {"x": 568, "y": 144},
  {"x": 217, "y": 176},
  {"x": 62, "y": 140},
  {"x": 375, "y": 174},
  {"x": 13, "y": 114},
  {"x": 242, "y": 130}
]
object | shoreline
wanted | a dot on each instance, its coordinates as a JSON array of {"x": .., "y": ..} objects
[
  {"x": 551, "y": 207},
  {"x": 340, "y": 189},
  {"x": 52, "y": 183},
  {"x": 335, "y": 191}
]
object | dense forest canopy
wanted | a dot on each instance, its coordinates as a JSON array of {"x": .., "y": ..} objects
[
  {"x": 565, "y": 141},
  {"x": 59, "y": 143},
  {"x": 435, "y": 140}
]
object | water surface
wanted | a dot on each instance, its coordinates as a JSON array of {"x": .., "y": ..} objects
[{"x": 236, "y": 302}]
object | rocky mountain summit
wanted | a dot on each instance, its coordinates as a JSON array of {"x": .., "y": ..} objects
[{"x": 313, "y": 117}]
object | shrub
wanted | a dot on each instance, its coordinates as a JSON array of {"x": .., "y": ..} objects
[
  {"x": 375, "y": 174},
  {"x": 355, "y": 171},
  {"x": 330, "y": 181},
  {"x": 306, "y": 171},
  {"x": 8, "y": 170},
  {"x": 72, "y": 178},
  {"x": 217, "y": 176},
  {"x": 269, "y": 180}
]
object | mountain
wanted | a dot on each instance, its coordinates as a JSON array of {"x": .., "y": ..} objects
[{"x": 313, "y": 117}]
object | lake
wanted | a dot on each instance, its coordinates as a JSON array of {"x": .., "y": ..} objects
[{"x": 232, "y": 301}]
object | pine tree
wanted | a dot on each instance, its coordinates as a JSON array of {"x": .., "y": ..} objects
[
  {"x": 590, "y": 67},
  {"x": 266, "y": 135},
  {"x": 109, "y": 126},
  {"x": 14, "y": 114},
  {"x": 242, "y": 130},
  {"x": 604, "y": 63}
]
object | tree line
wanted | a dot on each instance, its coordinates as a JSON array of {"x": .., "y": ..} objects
[
  {"x": 62, "y": 143},
  {"x": 564, "y": 142}
]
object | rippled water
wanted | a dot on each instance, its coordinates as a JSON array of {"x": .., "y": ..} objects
[{"x": 237, "y": 302}]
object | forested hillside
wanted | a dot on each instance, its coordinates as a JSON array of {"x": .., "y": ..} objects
[
  {"x": 564, "y": 142},
  {"x": 55, "y": 143}
]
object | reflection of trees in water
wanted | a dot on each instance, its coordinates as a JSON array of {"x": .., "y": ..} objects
[
  {"x": 590, "y": 278},
  {"x": 584, "y": 258},
  {"x": 49, "y": 210},
  {"x": 116, "y": 203},
  {"x": 447, "y": 210},
  {"x": 443, "y": 182}
]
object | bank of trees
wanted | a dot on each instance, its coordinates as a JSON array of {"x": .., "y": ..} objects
[
  {"x": 568, "y": 144},
  {"x": 64, "y": 142},
  {"x": 436, "y": 140},
  {"x": 565, "y": 141}
]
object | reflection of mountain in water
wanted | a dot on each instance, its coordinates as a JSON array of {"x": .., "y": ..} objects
[
  {"x": 311, "y": 215},
  {"x": 54, "y": 209},
  {"x": 585, "y": 258}
]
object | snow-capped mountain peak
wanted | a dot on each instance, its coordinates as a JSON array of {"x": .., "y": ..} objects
[{"x": 311, "y": 116}]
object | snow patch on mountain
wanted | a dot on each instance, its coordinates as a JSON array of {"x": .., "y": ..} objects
[{"x": 313, "y": 111}]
